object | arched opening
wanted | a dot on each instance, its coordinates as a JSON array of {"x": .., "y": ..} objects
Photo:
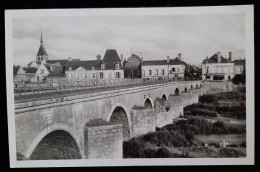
[
  {"x": 185, "y": 90},
  {"x": 191, "y": 87},
  {"x": 148, "y": 104},
  {"x": 119, "y": 117},
  {"x": 164, "y": 97},
  {"x": 197, "y": 86},
  {"x": 58, "y": 144},
  {"x": 176, "y": 92}
]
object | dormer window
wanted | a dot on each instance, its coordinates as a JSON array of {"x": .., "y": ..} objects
[
  {"x": 102, "y": 66},
  {"x": 70, "y": 68},
  {"x": 117, "y": 66},
  {"x": 92, "y": 68}
]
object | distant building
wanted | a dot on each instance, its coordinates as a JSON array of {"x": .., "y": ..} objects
[
  {"x": 170, "y": 68},
  {"x": 109, "y": 68},
  {"x": 240, "y": 66},
  {"x": 132, "y": 67},
  {"x": 218, "y": 68}
]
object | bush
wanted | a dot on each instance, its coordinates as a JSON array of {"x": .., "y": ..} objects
[
  {"x": 202, "y": 112},
  {"x": 133, "y": 148},
  {"x": 207, "y": 99},
  {"x": 162, "y": 153},
  {"x": 219, "y": 127},
  {"x": 239, "y": 78},
  {"x": 243, "y": 145},
  {"x": 200, "y": 106}
]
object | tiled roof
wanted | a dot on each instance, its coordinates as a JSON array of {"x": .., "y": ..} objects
[
  {"x": 214, "y": 59},
  {"x": 175, "y": 61},
  {"x": 41, "y": 50},
  {"x": 61, "y": 62},
  {"x": 239, "y": 62},
  {"x": 30, "y": 69},
  {"x": 87, "y": 65},
  {"x": 35, "y": 62},
  {"x": 47, "y": 67},
  {"x": 15, "y": 69},
  {"x": 111, "y": 58}
]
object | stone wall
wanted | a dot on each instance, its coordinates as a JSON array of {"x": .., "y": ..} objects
[
  {"x": 103, "y": 142},
  {"x": 164, "y": 112},
  {"x": 143, "y": 121},
  {"x": 176, "y": 105},
  {"x": 217, "y": 86}
]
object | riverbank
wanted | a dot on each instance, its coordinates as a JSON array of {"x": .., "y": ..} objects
[{"x": 214, "y": 127}]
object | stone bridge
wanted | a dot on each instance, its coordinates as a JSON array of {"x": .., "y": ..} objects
[{"x": 133, "y": 111}]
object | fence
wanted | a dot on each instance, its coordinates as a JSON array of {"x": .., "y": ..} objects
[{"x": 57, "y": 88}]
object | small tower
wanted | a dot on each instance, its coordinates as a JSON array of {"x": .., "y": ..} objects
[{"x": 41, "y": 56}]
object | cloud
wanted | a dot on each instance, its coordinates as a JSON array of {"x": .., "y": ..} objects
[{"x": 195, "y": 36}]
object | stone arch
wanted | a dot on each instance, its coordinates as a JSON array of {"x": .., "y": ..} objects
[
  {"x": 47, "y": 130},
  {"x": 191, "y": 87},
  {"x": 119, "y": 116},
  {"x": 185, "y": 90},
  {"x": 177, "y": 92},
  {"x": 164, "y": 97},
  {"x": 148, "y": 103}
]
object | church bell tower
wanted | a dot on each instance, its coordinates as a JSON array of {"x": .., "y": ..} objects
[{"x": 41, "y": 56}]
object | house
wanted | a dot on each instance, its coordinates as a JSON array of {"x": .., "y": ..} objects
[
  {"x": 239, "y": 66},
  {"x": 132, "y": 67},
  {"x": 170, "y": 68},
  {"x": 218, "y": 68},
  {"x": 109, "y": 68}
]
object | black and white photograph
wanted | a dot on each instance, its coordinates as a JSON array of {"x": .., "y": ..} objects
[{"x": 130, "y": 86}]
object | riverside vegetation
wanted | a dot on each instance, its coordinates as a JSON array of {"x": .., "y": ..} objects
[{"x": 214, "y": 127}]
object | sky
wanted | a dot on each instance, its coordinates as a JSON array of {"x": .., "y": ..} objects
[{"x": 151, "y": 37}]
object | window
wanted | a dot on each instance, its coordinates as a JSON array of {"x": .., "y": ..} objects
[
  {"x": 162, "y": 72},
  {"x": 117, "y": 74},
  {"x": 156, "y": 71},
  {"x": 41, "y": 58},
  {"x": 150, "y": 72},
  {"x": 70, "y": 68},
  {"x": 144, "y": 72},
  {"x": 178, "y": 69},
  {"x": 42, "y": 71},
  {"x": 85, "y": 75},
  {"x": 117, "y": 66},
  {"x": 93, "y": 75},
  {"x": 173, "y": 69},
  {"x": 102, "y": 66},
  {"x": 207, "y": 70},
  {"x": 101, "y": 75}
]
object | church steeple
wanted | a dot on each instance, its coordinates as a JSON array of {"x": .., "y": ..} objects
[{"x": 41, "y": 56}]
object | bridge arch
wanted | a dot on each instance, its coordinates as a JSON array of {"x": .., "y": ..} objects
[
  {"x": 191, "y": 87},
  {"x": 49, "y": 129},
  {"x": 185, "y": 90},
  {"x": 176, "y": 92},
  {"x": 197, "y": 86},
  {"x": 127, "y": 113},
  {"x": 164, "y": 97},
  {"x": 148, "y": 103}
]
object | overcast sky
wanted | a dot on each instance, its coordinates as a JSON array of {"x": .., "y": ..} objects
[{"x": 156, "y": 37}]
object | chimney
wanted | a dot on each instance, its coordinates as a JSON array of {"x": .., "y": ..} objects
[
  {"x": 219, "y": 57},
  {"x": 230, "y": 57},
  {"x": 121, "y": 57},
  {"x": 69, "y": 59},
  {"x": 168, "y": 59},
  {"x": 99, "y": 57},
  {"x": 179, "y": 56}
]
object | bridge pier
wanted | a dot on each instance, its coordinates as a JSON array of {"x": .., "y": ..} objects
[{"x": 103, "y": 142}]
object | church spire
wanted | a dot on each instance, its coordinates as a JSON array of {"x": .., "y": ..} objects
[{"x": 41, "y": 55}]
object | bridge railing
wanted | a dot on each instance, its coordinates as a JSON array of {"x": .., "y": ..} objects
[{"x": 24, "y": 92}]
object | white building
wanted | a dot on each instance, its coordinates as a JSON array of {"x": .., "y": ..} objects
[
  {"x": 170, "y": 68},
  {"x": 218, "y": 68},
  {"x": 108, "y": 68},
  {"x": 239, "y": 66}
]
